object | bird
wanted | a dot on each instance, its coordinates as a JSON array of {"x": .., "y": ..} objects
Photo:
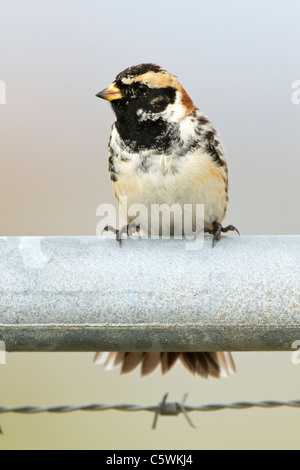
[{"x": 164, "y": 150}]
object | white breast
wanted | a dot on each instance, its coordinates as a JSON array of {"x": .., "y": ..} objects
[{"x": 147, "y": 179}]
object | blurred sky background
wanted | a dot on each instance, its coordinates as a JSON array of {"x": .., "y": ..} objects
[{"x": 238, "y": 61}]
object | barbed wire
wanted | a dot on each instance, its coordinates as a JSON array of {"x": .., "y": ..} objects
[
  {"x": 163, "y": 408},
  {"x": 169, "y": 408}
]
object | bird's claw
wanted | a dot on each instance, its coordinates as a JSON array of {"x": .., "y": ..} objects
[
  {"x": 217, "y": 230},
  {"x": 129, "y": 230}
]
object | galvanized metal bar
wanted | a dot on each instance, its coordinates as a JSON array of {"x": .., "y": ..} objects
[{"x": 87, "y": 294}]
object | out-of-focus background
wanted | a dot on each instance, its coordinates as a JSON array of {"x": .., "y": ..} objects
[{"x": 238, "y": 61}]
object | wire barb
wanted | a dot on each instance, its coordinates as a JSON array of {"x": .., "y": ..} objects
[{"x": 172, "y": 408}]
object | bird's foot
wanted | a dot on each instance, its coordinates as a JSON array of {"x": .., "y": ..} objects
[
  {"x": 129, "y": 230},
  {"x": 217, "y": 230}
]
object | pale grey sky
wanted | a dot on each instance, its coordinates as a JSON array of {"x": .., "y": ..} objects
[{"x": 237, "y": 60}]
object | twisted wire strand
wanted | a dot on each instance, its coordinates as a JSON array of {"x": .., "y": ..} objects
[
  {"x": 163, "y": 408},
  {"x": 244, "y": 405}
]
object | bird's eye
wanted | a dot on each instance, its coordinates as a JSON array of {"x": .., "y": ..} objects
[{"x": 142, "y": 88}]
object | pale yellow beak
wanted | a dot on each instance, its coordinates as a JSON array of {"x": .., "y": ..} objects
[{"x": 110, "y": 93}]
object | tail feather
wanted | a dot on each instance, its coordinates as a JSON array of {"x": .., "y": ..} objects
[
  {"x": 109, "y": 359},
  {"x": 202, "y": 365},
  {"x": 168, "y": 360},
  {"x": 114, "y": 359},
  {"x": 213, "y": 366},
  {"x": 226, "y": 364},
  {"x": 189, "y": 361},
  {"x": 205, "y": 364},
  {"x": 101, "y": 357},
  {"x": 131, "y": 361},
  {"x": 150, "y": 363}
]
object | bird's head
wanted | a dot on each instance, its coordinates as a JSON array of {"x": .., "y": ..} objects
[{"x": 146, "y": 92}]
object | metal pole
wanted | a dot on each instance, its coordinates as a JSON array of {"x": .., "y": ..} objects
[{"x": 87, "y": 294}]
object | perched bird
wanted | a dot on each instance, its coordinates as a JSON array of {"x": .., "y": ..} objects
[{"x": 164, "y": 150}]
